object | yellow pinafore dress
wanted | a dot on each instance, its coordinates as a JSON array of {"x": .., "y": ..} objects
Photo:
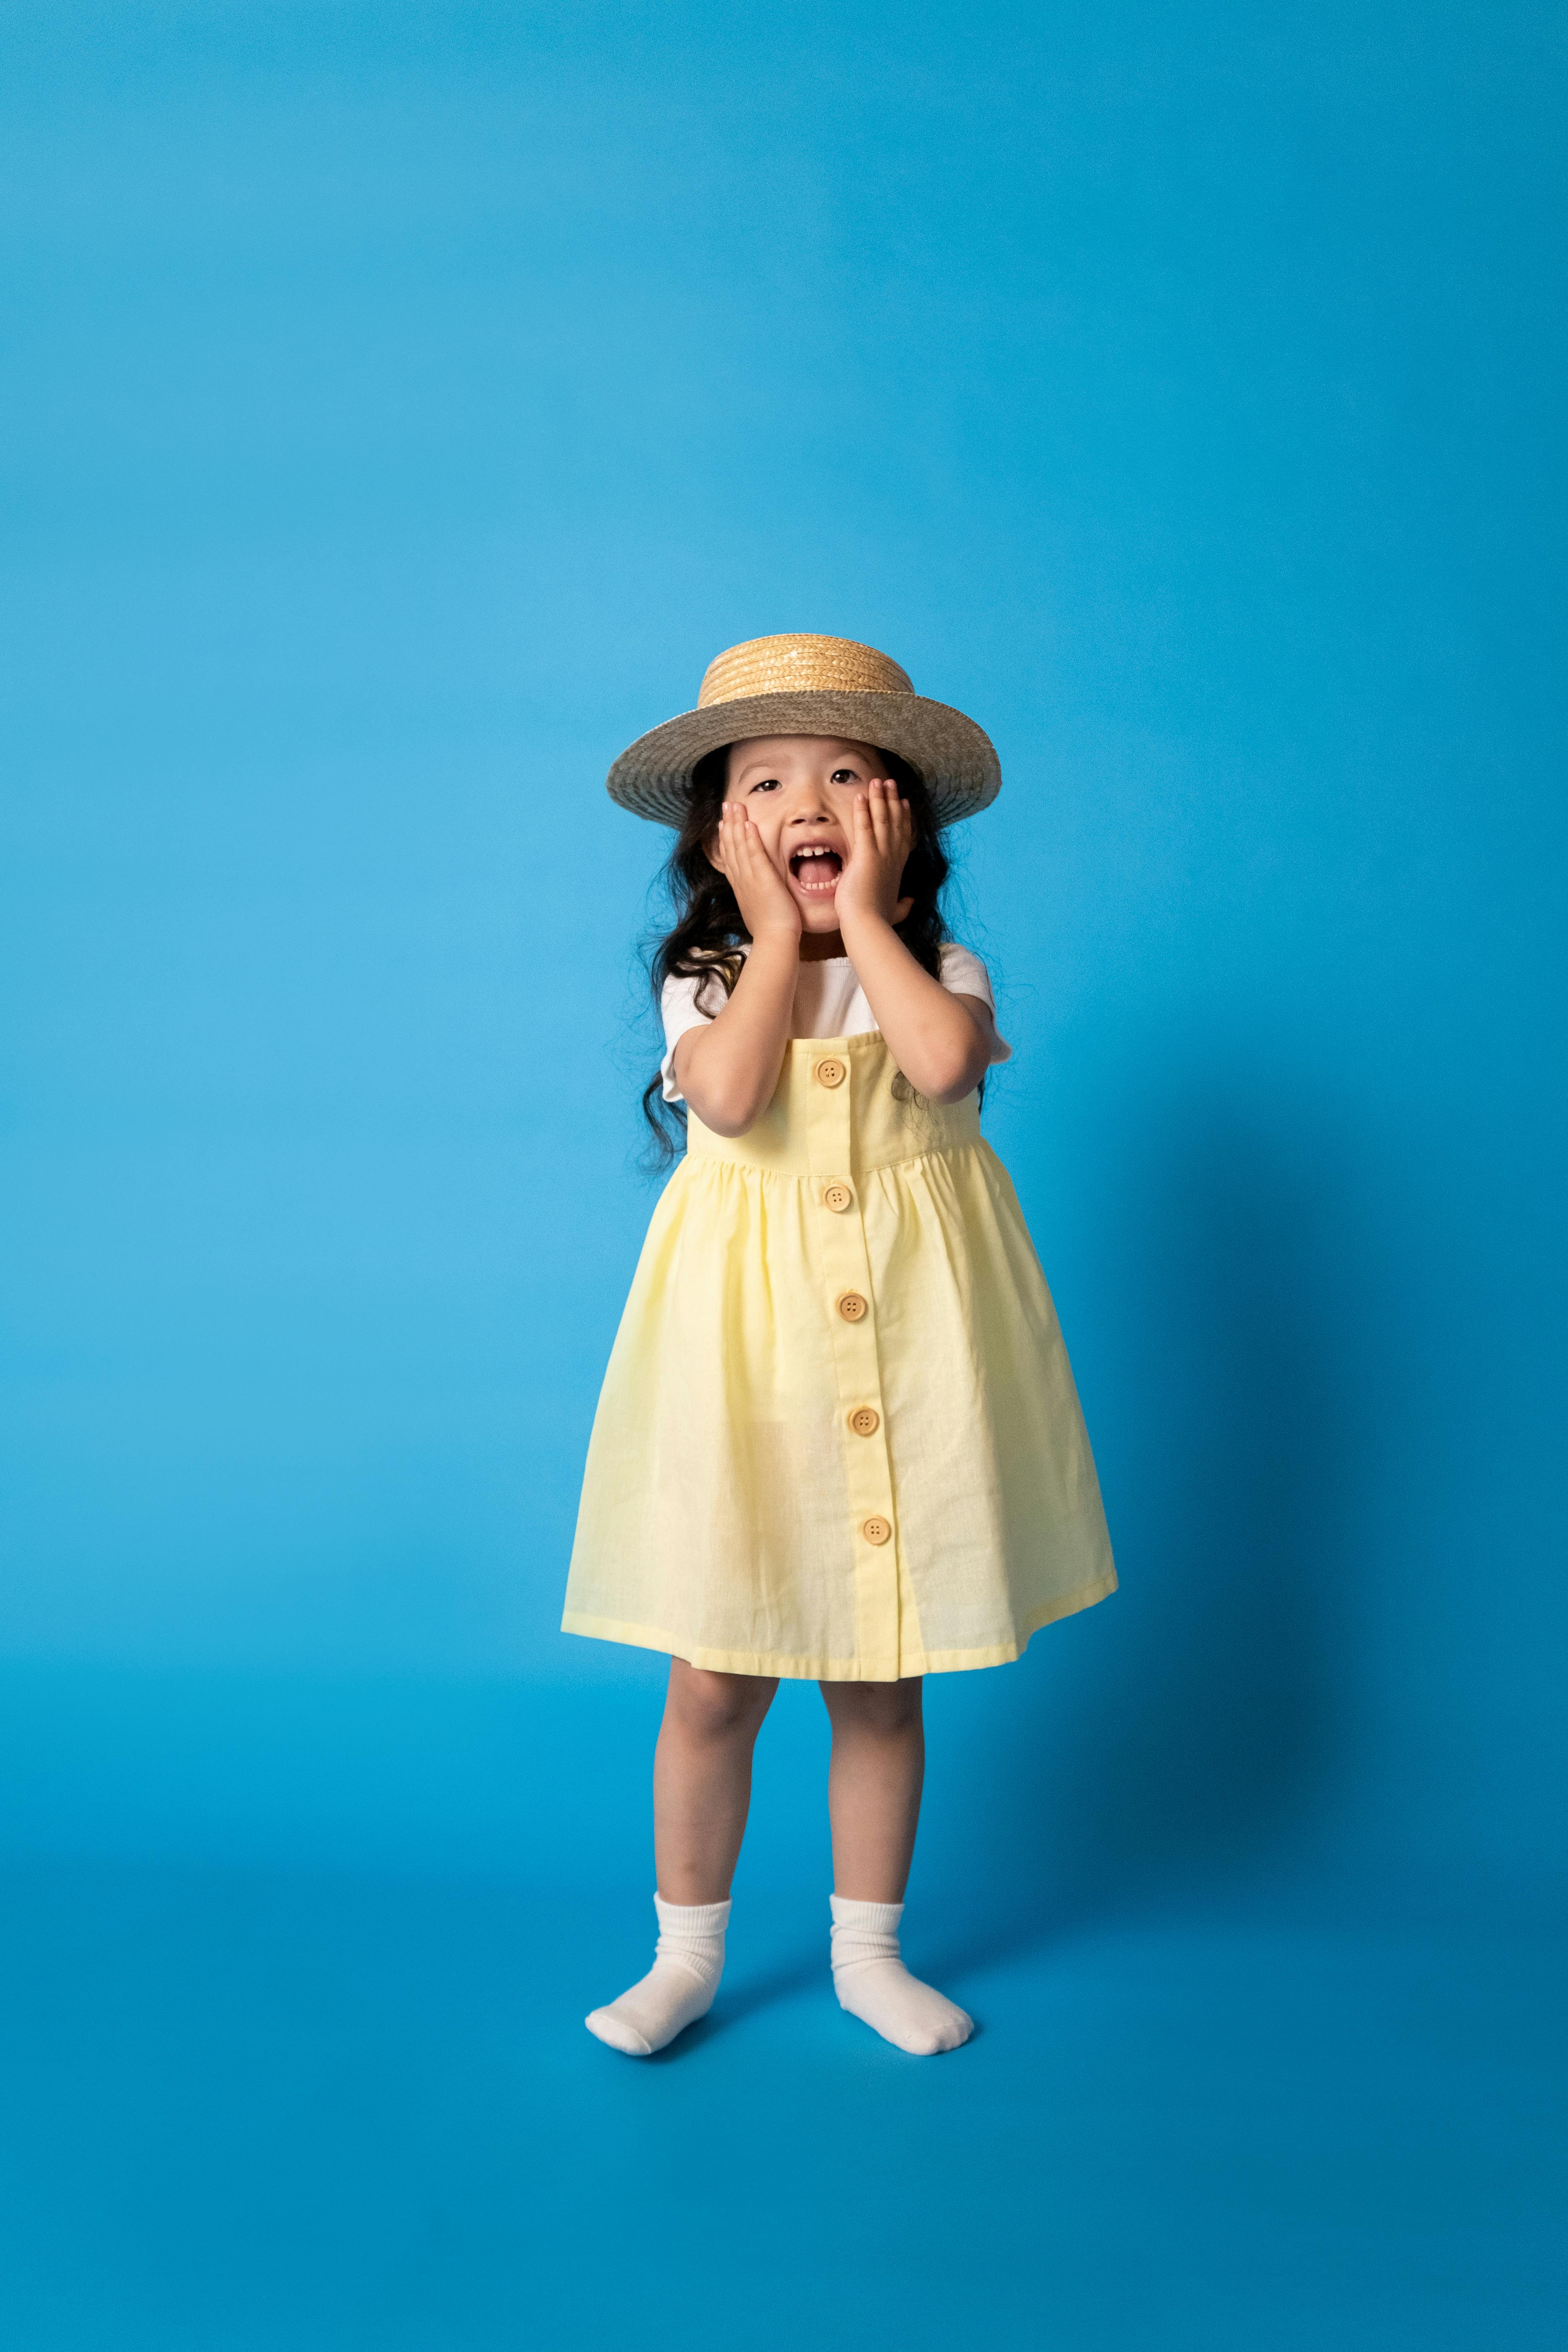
[{"x": 839, "y": 1436}]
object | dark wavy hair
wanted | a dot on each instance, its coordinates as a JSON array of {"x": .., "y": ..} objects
[{"x": 708, "y": 931}]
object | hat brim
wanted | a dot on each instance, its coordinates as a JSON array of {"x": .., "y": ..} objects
[{"x": 954, "y": 758}]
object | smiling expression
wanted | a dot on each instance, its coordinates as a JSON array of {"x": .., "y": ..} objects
[{"x": 799, "y": 791}]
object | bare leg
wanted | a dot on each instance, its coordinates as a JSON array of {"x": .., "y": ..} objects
[
  {"x": 874, "y": 1785},
  {"x": 702, "y": 1789},
  {"x": 874, "y": 1798},
  {"x": 703, "y": 1778}
]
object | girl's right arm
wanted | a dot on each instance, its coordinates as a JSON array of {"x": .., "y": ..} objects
[{"x": 728, "y": 1069}]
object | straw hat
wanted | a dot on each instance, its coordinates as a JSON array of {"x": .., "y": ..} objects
[{"x": 810, "y": 686}]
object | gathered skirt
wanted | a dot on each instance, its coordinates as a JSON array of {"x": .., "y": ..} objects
[{"x": 839, "y": 1436}]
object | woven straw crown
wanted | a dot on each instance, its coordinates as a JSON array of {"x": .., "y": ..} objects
[
  {"x": 810, "y": 686},
  {"x": 797, "y": 666}
]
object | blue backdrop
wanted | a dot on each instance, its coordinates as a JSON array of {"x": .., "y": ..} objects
[{"x": 403, "y": 404}]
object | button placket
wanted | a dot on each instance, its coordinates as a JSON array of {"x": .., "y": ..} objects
[{"x": 840, "y": 1236}]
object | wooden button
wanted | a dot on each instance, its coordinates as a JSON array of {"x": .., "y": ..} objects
[
  {"x": 831, "y": 1073},
  {"x": 876, "y": 1531},
  {"x": 864, "y": 1421},
  {"x": 837, "y": 1197},
  {"x": 852, "y": 1307}
]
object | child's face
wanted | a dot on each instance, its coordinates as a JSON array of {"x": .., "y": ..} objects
[{"x": 799, "y": 791}]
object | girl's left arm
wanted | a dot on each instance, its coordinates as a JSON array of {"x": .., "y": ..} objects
[{"x": 942, "y": 1041}]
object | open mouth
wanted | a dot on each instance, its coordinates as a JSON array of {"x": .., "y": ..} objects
[{"x": 815, "y": 871}]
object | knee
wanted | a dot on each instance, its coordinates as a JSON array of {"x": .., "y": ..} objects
[
  {"x": 875, "y": 1711},
  {"x": 717, "y": 1707}
]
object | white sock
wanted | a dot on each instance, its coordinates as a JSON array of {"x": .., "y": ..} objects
[
  {"x": 688, "y": 1961},
  {"x": 872, "y": 1982}
]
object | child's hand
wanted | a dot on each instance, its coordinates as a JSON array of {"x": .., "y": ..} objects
[
  {"x": 764, "y": 898},
  {"x": 881, "y": 836}
]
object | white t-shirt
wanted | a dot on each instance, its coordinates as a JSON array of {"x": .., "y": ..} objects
[{"x": 829, "y": 1002}]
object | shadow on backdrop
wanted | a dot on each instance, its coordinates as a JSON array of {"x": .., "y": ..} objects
[{"x": 1210, "y": 1722}]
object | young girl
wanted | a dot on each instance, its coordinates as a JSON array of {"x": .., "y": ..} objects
[{"x": 839, "y": 1436}]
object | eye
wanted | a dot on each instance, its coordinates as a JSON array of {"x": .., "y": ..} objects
[
  {"x": 768, "y": 784},
  {"x": 844, "y": 776}
]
